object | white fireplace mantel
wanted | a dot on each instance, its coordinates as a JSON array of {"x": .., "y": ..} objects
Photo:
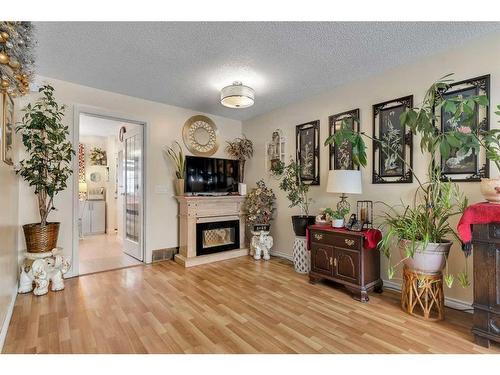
[{"x": 199, "y": 209}]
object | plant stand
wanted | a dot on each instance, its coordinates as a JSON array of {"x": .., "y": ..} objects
[
  {"x": 40, "y": 269},
  {"x": 261, "y": 245},
  {"x": 422, "y": 295},
  {"x": 301, "y": 257}
]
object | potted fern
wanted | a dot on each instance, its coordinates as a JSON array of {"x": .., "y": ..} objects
[
  {"x": 177, "y": 157},
  {"x": 422, "y": 229},
  {"x": 47, "y": 166}
]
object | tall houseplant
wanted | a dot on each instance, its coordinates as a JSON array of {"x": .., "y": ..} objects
[
  {"x": 297, "y": 193},
  {"x": 177, "y": 157},
  {"x": 242, "y": 150},
  {"x": 47, "y": 167},
  {"x": 421, "y": 228},
  {"x": 259, "y": 205}
]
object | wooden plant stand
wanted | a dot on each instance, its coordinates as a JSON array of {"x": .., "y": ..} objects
[{"x": 422, "y": 295}]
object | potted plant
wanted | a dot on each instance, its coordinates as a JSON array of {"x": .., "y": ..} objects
[
  {"x": 47, "y": 166},
  {"x": 337, "y": 217},
  {"x": 242, "y": 150},
  {"x": 259, "y": 207},
  {"x": 177, "y": 156},
  {"x": 422, "y": 229},
  {"x": 297, "y": 194}
]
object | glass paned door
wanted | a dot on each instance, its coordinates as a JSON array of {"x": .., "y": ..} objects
[{"x": 133, "y": 193}]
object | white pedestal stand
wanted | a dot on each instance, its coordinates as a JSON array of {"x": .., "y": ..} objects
[
  {"x": 40, "y": 269},
  {"x": 261, "y": 245},
  {"x": 301, "y": 257}
]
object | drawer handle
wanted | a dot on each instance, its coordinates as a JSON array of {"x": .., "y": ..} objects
[
  {"x": 318, "y": 236},
  {"x": 335, "y": 262},
  {"x": 494, "y": 326},
  {"x": 349, "y": 242},
  {"x": 331, "y": 261}
]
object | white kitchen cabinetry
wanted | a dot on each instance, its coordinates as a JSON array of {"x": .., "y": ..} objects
[{"x": 93, "y": 216}]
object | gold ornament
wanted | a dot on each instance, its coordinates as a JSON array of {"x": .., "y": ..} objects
[
  {"x": 5, "y": 83},
  {"x": 4, "y": 58},
  {"x": 18, "y": 77},
  {"x": 14, "y": 64},
  {"x": 4, "y": 35},
  {"x": 2, "y": 40}
]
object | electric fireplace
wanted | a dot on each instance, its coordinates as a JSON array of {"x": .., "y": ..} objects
[{"x": 217, "y": 236}]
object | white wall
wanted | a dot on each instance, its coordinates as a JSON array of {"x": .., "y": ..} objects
[
  {"x": 164, "y": 125},
  {"x": 474, "y": 59},
  {"x": 8, "y": 242}
]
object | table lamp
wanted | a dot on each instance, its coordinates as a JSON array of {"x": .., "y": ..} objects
[
  {"x": 344, "y": 181},
  {"x": 82, "y": 190}
]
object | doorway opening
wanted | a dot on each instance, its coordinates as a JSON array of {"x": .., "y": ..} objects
[{"x": 110, "y": 194}]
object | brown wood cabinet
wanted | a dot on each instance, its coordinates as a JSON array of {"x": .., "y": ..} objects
[
  {"x": 486, "y": 250},
  {"x": 339, "y": 256}
]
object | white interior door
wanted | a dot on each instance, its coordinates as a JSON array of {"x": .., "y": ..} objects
[{"x": 132, "y": 181}]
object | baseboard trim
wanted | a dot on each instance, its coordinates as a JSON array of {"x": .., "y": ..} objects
[
  {"x": 448, "y": 301},
  {"x": 282, "y": 255},
  {"x": 8, "y": 317}
]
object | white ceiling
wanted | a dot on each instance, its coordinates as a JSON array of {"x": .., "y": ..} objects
[
  {"x": 187, "y": 63},
  {"x": 97, "y": 126}
]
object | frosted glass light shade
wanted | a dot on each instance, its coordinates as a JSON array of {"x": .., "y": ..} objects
[
  {"x": 237, "y": 96},
  {"x": 344, "y": 181}
]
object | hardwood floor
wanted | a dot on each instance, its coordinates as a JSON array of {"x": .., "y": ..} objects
[
  {"x": 235, "y": 306},
  {"x": 103, "y": 252}
]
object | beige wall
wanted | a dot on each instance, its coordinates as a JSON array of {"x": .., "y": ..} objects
[
  {"x": 469, "y": 61},
  {"x": 8, "y": 242},
  {"x": 164, "y": 125}
]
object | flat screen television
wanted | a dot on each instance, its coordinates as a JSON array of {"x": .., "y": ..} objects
[{"x": 211, "y": 175}]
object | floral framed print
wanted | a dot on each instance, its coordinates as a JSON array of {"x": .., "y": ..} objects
[
  {"x": 460, "y": 165},
  {"x": 7, "y": 129},
  {"x": 307, "y": 151},
  {"x": 392, "y": 143},
  {"x": 341, "y": 156}
]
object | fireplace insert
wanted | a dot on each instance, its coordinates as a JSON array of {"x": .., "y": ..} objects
[{"x": 217, "y": 236}]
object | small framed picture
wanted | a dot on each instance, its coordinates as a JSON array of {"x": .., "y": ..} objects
[{"x": 7, "y": 130}]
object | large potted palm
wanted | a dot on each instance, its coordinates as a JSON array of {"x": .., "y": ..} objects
[
  {"x": 47, "y": 166},
  {"x": 421, "y": 229}
]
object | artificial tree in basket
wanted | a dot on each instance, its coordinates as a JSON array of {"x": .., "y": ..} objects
[
  {"x": 259, "y": 206},
  {"x": 47, "y": 166}
]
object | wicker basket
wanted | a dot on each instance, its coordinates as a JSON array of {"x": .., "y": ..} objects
[{"x": 41, "y": 239}]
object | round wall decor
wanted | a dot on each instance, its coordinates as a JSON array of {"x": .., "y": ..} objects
[{"x": 200, "y": 135}]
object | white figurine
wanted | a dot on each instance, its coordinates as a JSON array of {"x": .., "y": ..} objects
[{"x": 261, "y": 244}]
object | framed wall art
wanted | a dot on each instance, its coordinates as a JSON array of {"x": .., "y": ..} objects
[
  {"x": 393, "y": 143},
  {"x": 7, "y": 129},
  {"x": 466, "y": 166},
  {"x": 341, "y": 156},
  {"x": 307, "y": 151}
]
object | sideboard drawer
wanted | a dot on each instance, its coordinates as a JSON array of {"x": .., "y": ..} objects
[{"x": 337, "y": 240}]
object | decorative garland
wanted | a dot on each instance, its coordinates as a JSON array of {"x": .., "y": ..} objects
[{"x": 16, "y": 57}]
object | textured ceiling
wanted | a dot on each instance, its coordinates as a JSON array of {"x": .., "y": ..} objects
[{"x": 187, "y": 63}]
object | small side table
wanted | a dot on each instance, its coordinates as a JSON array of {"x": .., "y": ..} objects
[
  {"x": 422, "y": 295},
  {"x": 301, "y": 256},
  {"x": 40, "y": 269}
]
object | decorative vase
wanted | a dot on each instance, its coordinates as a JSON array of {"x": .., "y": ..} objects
[
  {"x": 490, "y": 188},
  {"x": 430, "y": 260},
  {"x": 338, "y": 223},
  {"x": 300, "y": 223},
  {"x": 242, "y": 188},
  {"x": 40, "y": 239},
  {"x": 179, "y": 186}
]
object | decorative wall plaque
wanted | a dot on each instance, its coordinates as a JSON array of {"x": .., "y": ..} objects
[
  {"x": 341, "y": 156},
  {"x": 308, "y": 151},
  {"x": 200, "y": 136}
]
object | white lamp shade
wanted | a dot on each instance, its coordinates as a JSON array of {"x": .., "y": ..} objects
[
  {"x": 344, "y": 181},
  {"x": 237, "y": 96}
]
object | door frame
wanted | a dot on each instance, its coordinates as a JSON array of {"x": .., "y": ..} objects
[{"x": 103, "y": 113}]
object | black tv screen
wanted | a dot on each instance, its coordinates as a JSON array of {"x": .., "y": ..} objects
[{"x": 211, "y": 175}]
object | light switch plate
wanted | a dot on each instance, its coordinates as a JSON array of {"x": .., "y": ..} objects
[{"x": 161, "y": 189}]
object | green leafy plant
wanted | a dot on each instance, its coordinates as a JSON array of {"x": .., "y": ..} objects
[
  {"x": 259, "y": 204},
  {"x": 98, "y": 156},
  {"x": 176, "y": 154},
  {"x": 435, "y": 201},
  {"x": 336, "y": 214},
  {"x": 47, "y": 167},
  {"x": 295, "y": 189},
  {"x": 242, "y": 150}
]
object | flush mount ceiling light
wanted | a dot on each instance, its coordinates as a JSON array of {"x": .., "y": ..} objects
[{"x": 237, "y": 96}]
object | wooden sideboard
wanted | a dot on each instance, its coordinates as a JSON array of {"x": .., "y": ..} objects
[
  {"x": 341, "y": 257},
  {"x": 486, "y": 251}
]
